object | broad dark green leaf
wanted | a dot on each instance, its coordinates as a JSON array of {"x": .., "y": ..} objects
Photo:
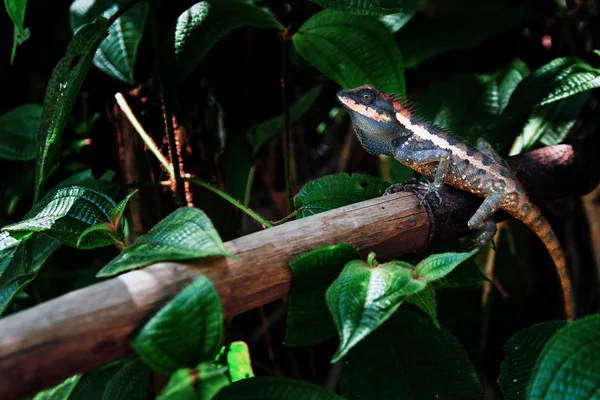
[
  {"x": 423, "y": 39},
  {"x": 203, "y": 382},
  {"x": 86, "y": 179},
  {"x": 274, "y": 388},
  {"x": 16, "y": 12},
  {"x": 397, "y": 20},
  {"x": 117, "y": 53},
  {"x": 185, "y": 234},
  {"x": 409, "y": 358},
  {"x": 363, "y": 298},
  {"x": 308, "y": 320},
  {"x": 568, "y": 366},
  {"x": 65, "y": 214},
  {"x": 520, "y": 353},
  {"x": 62, "y": 391},
  {"x": 333, "y": 191},
  {"x": 438, "y": 266},
  {"x": 425, "y": 300},
  {"x": 361, "y": 7},
  {"x": 204, "y": 24},
  {"x": 186, "y": 331},
  {"x": 105, "y": 230},
  {"x": 352, "y": 50},
  {"x": 131, "y": 382},
  {"x": 94, "y": 382},
  {"x": 263, "y": 132},
  {"x": 62, "y": 91},
  {"x": 18, "y": 132}
]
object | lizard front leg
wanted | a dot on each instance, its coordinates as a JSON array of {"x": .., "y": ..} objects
[
  {"x": 481, "y": 219},
  {"x": 415, "y": 158}
]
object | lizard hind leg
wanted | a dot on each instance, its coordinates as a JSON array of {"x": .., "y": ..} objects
[{"x": 482, "y": 219}]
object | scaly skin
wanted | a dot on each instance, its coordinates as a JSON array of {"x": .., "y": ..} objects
[{"x": 385, "y": 126}]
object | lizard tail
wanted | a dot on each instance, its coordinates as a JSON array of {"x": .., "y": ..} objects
[{"x": 531, "y": 216}]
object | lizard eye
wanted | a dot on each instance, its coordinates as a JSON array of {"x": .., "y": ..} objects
[{"x": 366, "y": 96}]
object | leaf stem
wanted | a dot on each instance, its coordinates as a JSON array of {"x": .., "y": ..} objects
[{"x": 265, "y": 223}]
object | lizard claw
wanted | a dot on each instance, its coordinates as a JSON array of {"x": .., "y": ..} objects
[
  {"x": 429, "y": 187},
  {"x": 395, "y": 188}
]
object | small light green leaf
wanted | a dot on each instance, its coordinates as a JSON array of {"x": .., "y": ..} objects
[
  {"x": 117, "y": 53},
  {"x": 185, "y": 234},
  {"x": 409, "y": 358},
  {"x": 308, "y": 320},
  {"x": 360, "y": 7},
  {"x": 263, "y": 132},
  {"x": 520, "y": 353},
  {"x": 425, "y": 300},
  {"x": 568, "y": 367},
  {"x": 236, "y": 357},
  {"x": 437, "y": 266},
  {"x": 185, "y": 332},
  {"x": 352, "y": 50},
  {"x": 104, "y": 230},
  {"x": 117, "y": 213},
  {"x": 204, "y": 24},
  {"x": 16, "y": 12},
  {"x": 274, "y": 388},
  {"x": 131, "y": 382},
  {"x": 62, "y": 391},
  {"x": 423, "y": 39},
  {"x": 8, "y": 248},
  {"x": 333, "y": 191},
  {"x": 65, "y": 215},
  {"x": 550, "y": 124},
  {"x": 18, "y": 132},
  {"x": 62, "y": 91},
  {"x": 363, "y": 298},
  {"x": 203, "y": 382}
]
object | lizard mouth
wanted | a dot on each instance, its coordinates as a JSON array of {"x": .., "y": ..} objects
[{"x": 362, "y": 109}]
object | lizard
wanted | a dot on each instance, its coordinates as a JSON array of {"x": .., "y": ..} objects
[{"x": 385, "y": 125}]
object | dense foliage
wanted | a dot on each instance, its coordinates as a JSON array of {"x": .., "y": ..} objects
[{"x": 238, "y": 123}]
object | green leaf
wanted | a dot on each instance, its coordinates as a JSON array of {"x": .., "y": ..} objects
[
  {"x": 568, "y": 367},
  {"x": 131, "y": 382},
  {"x": 18, "y": 132},
  {"x": 520, "y": 353},
  {"x": 204, "y": 24},
  {"x": 185, "y": 332},
  {"x": 62, "y": 91},
  {"x": 333, "y": 191},
  {"x": 352, "y": 50},
  {"x": 62, "y": 391},
  {"x": 16, "y": 12},
  {"x": 104, "y": 230},
  {"x": 274, "y": 388},
  {"x": 238, "y": 362},
  {"x": 363, "y": 298},
  {"x": 308, "y": 320},
  {"x": 94, "y": 382},
  {"x": 550, "y": 124},
  {"x": 8, "y": 248},
  {"x": 409, "y": 358},
  {"x": 437, "y": 266},
  {"x": 116, "y": 213},
  {"x": 185, "y": 234},
  {"x": 396, "y": 21},
  {"x": 425, "y": 300},
  {"x": 65, "y": 215},
  {"x": 423, "y": 39},
  {"x": 259, "y": 134},
  {"x": 203, "y": 382},
  {"x": 360, "y": 7},
  {"x": 117, "y": 53}
]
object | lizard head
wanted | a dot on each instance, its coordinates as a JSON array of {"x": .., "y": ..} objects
[{"x": 373, "y": 117}]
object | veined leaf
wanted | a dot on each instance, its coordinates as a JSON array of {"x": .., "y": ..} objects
[
  {"x": 333, "y": 191},
  {"x": 65, "y": 215},
  {"x": 360, "y": 7},
  {"x": 202, "y": 382},
  {"x": 520, "y": 353},
  {"x": 16, "y": 12},
  {"x": 308, "y": 320},
  {"x": 202, "y": 25},
  {"x": 437, "y": 266},
  {"x": 238, "y": 361},
  {"x": 62, "y": 391},
  {"x": 568, "y": 367},
  {"x": 409, "y": 358},
  {"x": 18, "y": 132},
  {"x": 425, "y": 300},
  {"x": 363, "y": 298},
  {"x": 131, "y": 382},
  {"x": 397, "y": 20},
  {"x": 274, "y": 388},
  {"x": 186, "y": 331},
  {"x": 8, "y": 247},
  {"x": 185, "y": 234},
  {"x": 263, "y": 132},
  {"x": 117, "y": 53},
  {"x": 352, "y": 50},
  {"x": 62, "y": 91}
]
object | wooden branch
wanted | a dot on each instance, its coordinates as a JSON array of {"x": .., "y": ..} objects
[{"x": 80, "y": 330}]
